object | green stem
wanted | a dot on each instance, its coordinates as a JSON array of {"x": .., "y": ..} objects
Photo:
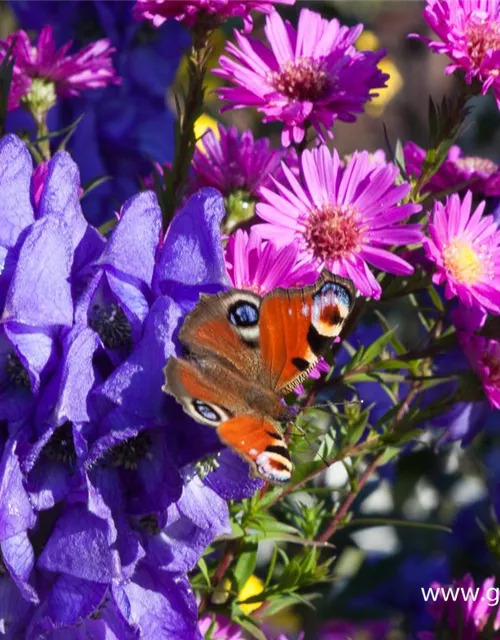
[{"x": 188, "y": 114}]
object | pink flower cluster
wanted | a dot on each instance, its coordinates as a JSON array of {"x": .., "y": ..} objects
[
  {"x": 189, "y": 12},
  {"x": 55, "y": 69}
]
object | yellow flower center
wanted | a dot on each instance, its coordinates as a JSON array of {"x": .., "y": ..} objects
[{"x": 463, "y": 262}]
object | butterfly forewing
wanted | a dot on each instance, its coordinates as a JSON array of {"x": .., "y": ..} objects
[{"x": 298, "y": 326}]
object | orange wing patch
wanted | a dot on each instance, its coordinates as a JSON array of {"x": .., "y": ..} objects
[{"x": 259, "y": 442}]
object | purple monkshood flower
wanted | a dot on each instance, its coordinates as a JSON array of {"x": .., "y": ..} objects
[
  {"x": 470, "y": 36},
  {"x": 89, "y": 442},
  {"x": 211, "y": 12},
  {"x": 46, "y": 71},
  {"x": 234, "y": 162},
  {"x": 464, "y": 248},
  {"x": 463, "y": 607},
  {"x": 342, "y": 218},
  {"x": 311, "y": 76},
  {"x": 480, "y": 175}
]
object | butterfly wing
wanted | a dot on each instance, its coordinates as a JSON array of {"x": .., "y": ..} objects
[
  {"x": 240, "y": 417},
  {"x": 297, "y": 327},
  {"x": 227, "y": 326}
]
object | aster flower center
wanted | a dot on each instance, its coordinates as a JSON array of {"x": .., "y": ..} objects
[
  {"x": 475, "y": 164},
  {"x": 17, "y": 373},
  {"x": 302, "y": 79},
  {"x": 60, "y": 447},
  {"x": 463, "y": 262},
  {"x": 129, "y": 453},
  {"x": 112, "y": 325},
  {"x": 483, "y": 37},
  {"x": 41, "y": 96},
  {"x": 333, "y": 231}
]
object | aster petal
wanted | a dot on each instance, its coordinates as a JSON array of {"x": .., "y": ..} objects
[
  {"x": 277, "y": 36},
  {"x": 16, "y": 212},
  {"x": 386, "y": 261}
]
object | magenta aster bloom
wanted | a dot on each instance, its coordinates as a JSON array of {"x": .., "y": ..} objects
[
  {"x": 342, "y": 218},
  {"x": 44, "y": 71},
  {"x": 480, "y": 175},
  {"x": 234, "y": 161},
  {"x": 470, "y": 36},
  {"x": 312, "y": 75},
  {"x": 484, "y": 356},
  {"x": 469, "y": 612},
  {"x": 465, "y": 250},
  {"x": 256, "y": 264},
  {"x": 222, "y": 629},
  {"x": 158, "y": 11}
]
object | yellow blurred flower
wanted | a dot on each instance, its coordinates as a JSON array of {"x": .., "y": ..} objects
[
  {"x": 203, "y": 123},
  {"x": 368, "y": 41},
  {"x": 252, "y": 587}
]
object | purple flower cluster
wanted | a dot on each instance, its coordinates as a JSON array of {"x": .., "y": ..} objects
[{"x": 101, "y": 507}]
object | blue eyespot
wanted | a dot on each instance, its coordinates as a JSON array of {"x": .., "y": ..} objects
[
  {"x": 206, "y": 411},
  {"x": 338, "y": 291},
  {"x": 243, "y": 314}
]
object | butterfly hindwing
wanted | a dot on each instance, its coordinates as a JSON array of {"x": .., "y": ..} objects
[
  {"x": 259, "y": 441},
  {"x": 298, "y": 325}
]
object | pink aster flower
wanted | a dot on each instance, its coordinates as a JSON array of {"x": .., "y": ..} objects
[
  {"x": 158, "y": 11},
  {"x": 463, "y": 607},
  {"x": 312, "y": 75},
  {"x": 465, "y": 250},
  {"x": 223, "y": 629},
  {"x": 234, "y": 162},
  {"x": 342, "y": 218},
  {"x": 470, "y": 36},
  {"x": 480, "y": 175},
  {"x": 484, "y": 357},
  {"x": 258, "y": 265},
  {"x": 46, "y": 71}
]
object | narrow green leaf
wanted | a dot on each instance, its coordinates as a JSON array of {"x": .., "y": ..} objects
[{"x": 246, "y": 563}]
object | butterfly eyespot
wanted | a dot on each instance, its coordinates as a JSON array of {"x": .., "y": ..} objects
[
  {"x": 206, "y": 411},
  {"x": 244, "y": 314},
  {"x": 337, "y": 291}
]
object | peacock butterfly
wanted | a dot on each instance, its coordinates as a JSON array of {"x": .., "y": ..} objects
[{"x": 244, "y": 352}]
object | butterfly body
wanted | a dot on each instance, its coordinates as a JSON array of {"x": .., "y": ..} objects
[{"x": 244, "y": 352}]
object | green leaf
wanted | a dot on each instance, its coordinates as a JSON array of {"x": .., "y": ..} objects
[
  {"x": 108, "y": 226},
  {"x": 376, "y": 348},
  {"x": 246, "y": 563},
  {"x": 202, "y": 566},
  {"x": 93, "y": 184}
]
